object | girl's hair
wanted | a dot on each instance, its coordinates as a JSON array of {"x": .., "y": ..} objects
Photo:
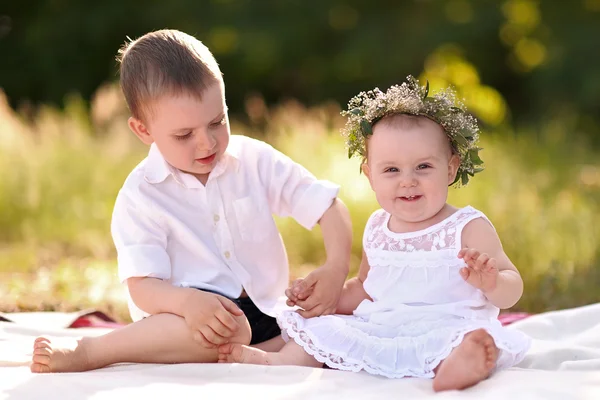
[{"x": 368, "y": 108}]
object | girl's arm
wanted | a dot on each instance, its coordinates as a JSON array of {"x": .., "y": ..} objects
[
  {"x": 504, "y": 286},
  {"x": 353, "y": 292}
]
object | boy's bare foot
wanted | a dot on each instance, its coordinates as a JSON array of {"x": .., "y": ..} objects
[
  {"x": 238, "y": 353},
  {"x": 471, "y": 362},
  {"x": 70, "y": 356}
]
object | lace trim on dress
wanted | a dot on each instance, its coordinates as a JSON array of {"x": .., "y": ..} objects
[
  {"x": 289, "y": 325},
  {"x": 441, "y": 236}
]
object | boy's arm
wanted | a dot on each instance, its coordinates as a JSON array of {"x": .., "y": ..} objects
[
  {"x": 354, "y": 292},
  {"x": 293, "y": 191},
  {"x": 209, "y": 316},
  {"x": 479, "y": 234},
  {"x": 145, "y": 265},
  {"x": 325, "y": 283},
  {"x": 155, "y": 296}
]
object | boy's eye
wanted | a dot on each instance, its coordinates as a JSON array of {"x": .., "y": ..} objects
[
  {"x": 423, "y": 166},
  {"x": 184, "y": 137},
  {"x": 391, "y": 169},
  {"x": 218, "y": 123}
]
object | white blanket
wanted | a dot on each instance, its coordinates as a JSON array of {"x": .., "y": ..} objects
[{"x": 564, "y": 363}]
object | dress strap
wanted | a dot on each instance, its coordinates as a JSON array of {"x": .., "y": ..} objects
[
  {"x": 373, "y": 223},
  {"x": 465, "y": 216}
]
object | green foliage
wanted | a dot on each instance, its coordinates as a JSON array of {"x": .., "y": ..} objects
[
  {"x": 539, "y": 54},
  {"x": 58, "y": 182}
]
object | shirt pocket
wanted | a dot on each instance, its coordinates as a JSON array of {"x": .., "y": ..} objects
[{"x": 254, "y": 219}]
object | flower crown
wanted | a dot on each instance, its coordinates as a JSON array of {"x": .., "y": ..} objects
[{"x": 367, "y": 108}]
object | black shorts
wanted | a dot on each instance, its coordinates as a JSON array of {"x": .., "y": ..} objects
[{"x": 263, "y": 327}]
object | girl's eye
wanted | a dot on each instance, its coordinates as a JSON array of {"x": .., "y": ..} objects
[
  {"x": 391, "y": 169},
  {"x": 423, "y": 166},
  {"x": 184, "y": 137}
]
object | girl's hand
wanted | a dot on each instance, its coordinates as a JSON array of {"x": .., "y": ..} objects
[
  {"x": 480, "y": 270},
  {"x": 319, "y": 292},
  {"x": 295, "y": 292}
]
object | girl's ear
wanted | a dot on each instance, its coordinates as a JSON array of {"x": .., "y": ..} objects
[
  {"x": 367, "y": 171},
  {"x": 453, "y": 165},
  {"x": 138, "y": 127}
]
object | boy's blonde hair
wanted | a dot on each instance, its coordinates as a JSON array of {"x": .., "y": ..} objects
[{"x": 165, "y": 62}]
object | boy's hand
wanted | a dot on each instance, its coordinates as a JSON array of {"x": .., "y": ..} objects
[
  {"x": 480, "y": 271},
  {"x": 211, "y": 318},
  {"x": 296, "y": 287},
  {"x": 319, "y": 292}
]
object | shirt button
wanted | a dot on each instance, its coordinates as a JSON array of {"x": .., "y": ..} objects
[
  {"x": 227, "y": 254},
  {"x": 216, "y": 218}
]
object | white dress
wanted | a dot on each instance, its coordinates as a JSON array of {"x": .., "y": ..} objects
[{"x": 421, "y": 309}]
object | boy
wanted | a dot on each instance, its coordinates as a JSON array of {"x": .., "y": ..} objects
[{"x": 197, "y": 244}]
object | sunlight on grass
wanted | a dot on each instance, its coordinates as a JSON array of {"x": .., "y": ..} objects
[{"x": 61, "y": 173}]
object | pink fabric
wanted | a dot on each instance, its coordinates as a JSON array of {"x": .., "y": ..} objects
[{"x": 509, "y": 318}]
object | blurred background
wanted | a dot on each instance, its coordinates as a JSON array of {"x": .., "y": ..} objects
[{"x": 529, "y": 70}]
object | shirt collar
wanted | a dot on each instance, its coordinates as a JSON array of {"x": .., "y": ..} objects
[{"x": 157, "y": 169}]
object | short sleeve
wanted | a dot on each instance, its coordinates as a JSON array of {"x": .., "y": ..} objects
[
  {"x": 139, "y": 238},
  {"x": 292, "y": 189}
]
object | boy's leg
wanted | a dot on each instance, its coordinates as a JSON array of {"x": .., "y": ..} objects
[
  {"x": 162, "y": 338},
  {"x": 290, "y": 354},
  {"x": 271, "y": 345}
]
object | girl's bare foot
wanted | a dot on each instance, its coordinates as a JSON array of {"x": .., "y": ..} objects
[
  {"x": 468, "y": 364},
  {"x": 238, "y": 353},
  {"x": 70, "y": 356}
]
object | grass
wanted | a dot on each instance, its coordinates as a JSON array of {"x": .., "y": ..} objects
[{"x": 62, "y": 171}]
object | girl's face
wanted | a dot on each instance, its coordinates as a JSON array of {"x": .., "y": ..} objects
[{"x": 410, "y": 166}]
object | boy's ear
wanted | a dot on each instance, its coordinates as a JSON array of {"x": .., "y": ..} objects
[
  {"x": 138, "y": 127},
  {"x": 367, "y": 171},
  {"x": 453, "y": 165}
]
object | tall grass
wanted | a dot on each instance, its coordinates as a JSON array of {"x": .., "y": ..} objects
[{"x": 61, "y": 172}]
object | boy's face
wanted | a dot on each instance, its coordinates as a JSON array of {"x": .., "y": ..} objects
[
  {"x": 191, "y": 134},
  {"x": 410, "y": 169}
]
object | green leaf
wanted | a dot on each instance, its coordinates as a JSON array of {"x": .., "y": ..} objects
[
  {"x": 440, "y": 114},
  {"x": 464, "y": 178},
  {"x": 474, "y": 156},
  {"x": 426, "y": 90},
  {"x": 477, "y": 169},
  {"x": 365, "y": 126},
  {"x": 357, "y": 112},
  {"x": 466, "y": 133},
  {"x": 460, "y": 139}
]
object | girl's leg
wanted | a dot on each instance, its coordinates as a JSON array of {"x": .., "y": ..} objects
[
  {"x": 162, "y": 338},
  {"x": 468, "y": 364},
  {"x": 290, "y": 354}
]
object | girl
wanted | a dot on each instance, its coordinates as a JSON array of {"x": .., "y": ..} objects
[{"x": 433, "y": 277}]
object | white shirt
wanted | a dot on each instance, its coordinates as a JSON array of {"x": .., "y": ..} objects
[{"x": 221, "y": 236}]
